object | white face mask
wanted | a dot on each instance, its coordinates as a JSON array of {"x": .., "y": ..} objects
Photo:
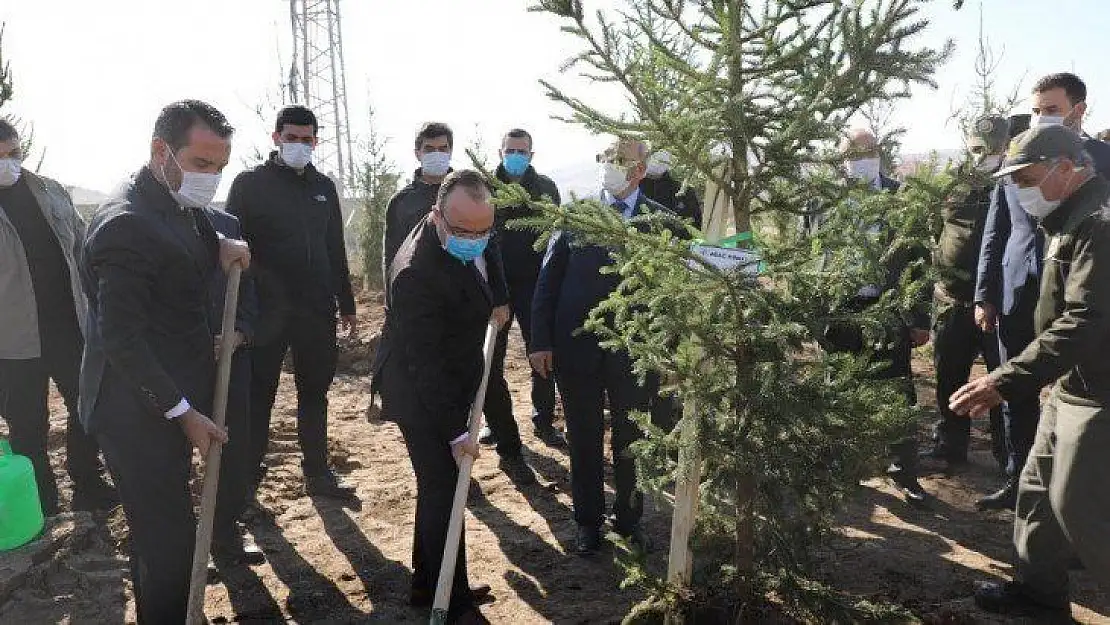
[
  {"x": 10, "y": 169},
  {"x": 613, "y": 178},
  {"x": 1039, "y": 121},
  {"x": 658, "y": 164},
  {"x": 1033, "y": 201},
  {"x": 656, "y": 170},
  {"x": 990, "y": 163},
  {"x": 197, "y": 189},
  {"x": 435, "y": 163},
  {"x": 295, "y": 154},
  {"x": 865, "y": 169}
]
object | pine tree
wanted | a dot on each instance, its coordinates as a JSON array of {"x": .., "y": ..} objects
[
  {"x": 378, "y": 180},
  {"x": 752, "y": 96},
  {"x": 7, "y": 91}
]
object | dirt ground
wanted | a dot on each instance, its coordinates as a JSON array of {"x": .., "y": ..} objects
[{"x": 333, "y": 564}]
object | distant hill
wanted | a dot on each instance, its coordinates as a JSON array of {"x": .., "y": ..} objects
[{"x": 85, "y": 197}]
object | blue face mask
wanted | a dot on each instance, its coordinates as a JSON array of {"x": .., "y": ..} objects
[
  {"x": 515, "y": 164},
  {"x": 466, "y": 250}
]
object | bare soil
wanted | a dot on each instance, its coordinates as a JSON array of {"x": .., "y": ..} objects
[{"x": 334, "y": 564}]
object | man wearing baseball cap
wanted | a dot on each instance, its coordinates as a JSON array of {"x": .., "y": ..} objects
[
  {"x": 957, "y": 341},
  {"x": 1062, "y": 510}
]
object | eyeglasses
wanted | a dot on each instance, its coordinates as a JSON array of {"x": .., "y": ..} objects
[{"x": 462, "y": 232}]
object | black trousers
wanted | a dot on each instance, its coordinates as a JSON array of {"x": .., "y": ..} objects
[
  {"x": 436, "y": 474},
  {"x": 584, "y": 394},
  {"x": 236, "y": 466},
  {"x": 1020, "y": 416},
  {"x": 24, "y": 390},
  {"x": 849, "y": 338},
  {"x": 957, "y": 342},
  {"x": 311, "y": 337},
  {"x": 499, "y": 402},
  {"x": 149, "y": 459}
]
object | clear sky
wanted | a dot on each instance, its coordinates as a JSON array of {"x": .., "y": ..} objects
[{"x": 91, "y": 75}]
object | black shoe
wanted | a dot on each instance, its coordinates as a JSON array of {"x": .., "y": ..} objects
[
  {"x": 423, "y": 597},
  {"x": 551, "y": 436},
  {"x": 907, "y": 484},
  {"x": 1016, "y": 599},
  {"x": 518, "y": 470},
  {"x": 637, "y": 539},
  {"x": 97, "y": 495},
  {"x": 486, "y": 436},
  {"x": 1004, "y": 499},
  {"x": 328, "y": 484},
  {"x": 235, "y": 549},
  {"x": 588, "y": 541}
]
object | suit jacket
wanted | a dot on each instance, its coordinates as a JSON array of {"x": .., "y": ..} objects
[
  {"x": 439, "y": 310},
  {"x": 247, "y": 312},
  {"x": 1012, "y": 251},
  {"x": 570, "y": 285},
  {"x": 145, "y": 269}
]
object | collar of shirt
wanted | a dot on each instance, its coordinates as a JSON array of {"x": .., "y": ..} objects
[{"x": 630, "y": 201}]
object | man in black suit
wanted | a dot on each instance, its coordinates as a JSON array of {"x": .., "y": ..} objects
[
  {"x": 570, "y": 285},
  {"x": 440, "y": 305},
  {"x": 148, "y": 371}
]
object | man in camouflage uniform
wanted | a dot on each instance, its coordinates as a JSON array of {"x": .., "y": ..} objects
[{"x": 957, "y": 341}]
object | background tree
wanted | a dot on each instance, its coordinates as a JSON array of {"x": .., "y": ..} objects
[
  {"x": 378, "y": 181},
  {"x": 7, "y": 92},
  {"x": 984, "y": 98},
  {"x": 752, "y": 96}
]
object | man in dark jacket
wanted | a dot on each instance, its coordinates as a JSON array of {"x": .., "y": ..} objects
[
  {"x": 522, "y": 267},
  {"x": 148, "y": 372},
  {"x": 441, "y": 302},
  {"x": 229, "y": 545},
  {"x": 957, "y": 341},
  {"x": 432, "y": 147},
  {"x": 863, "y": 166},
  {"x": 291, "y": 218},
  {"x": 1062, "y": 509},
  {"x": 43, "y": 312},
  {"x": 570, "y": 285},
  {"x": 659, "y": 185}
]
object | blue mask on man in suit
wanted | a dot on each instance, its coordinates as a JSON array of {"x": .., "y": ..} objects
[{"x": 466, "y": 250}]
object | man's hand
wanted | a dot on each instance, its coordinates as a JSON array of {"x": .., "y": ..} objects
[
  {"x": 465, "y": 447},
  {"x": 501, "y": 315},
  {"x": 234, "y": 251},
  {"x": 986, "y": 316},
  {"x": 201, "y": 431},
  {"x": 349, "y": 324},
  {"x": 918, "y": 337},
  {"x": 976, "y": 398},
  {"x": 236, "y": 342},
  {"x": 543, "y": 363}
]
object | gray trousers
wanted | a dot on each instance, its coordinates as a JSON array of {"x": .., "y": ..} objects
[{"x": 1062, "y": 507}]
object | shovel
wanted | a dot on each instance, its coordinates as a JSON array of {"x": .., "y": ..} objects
[
  {"x": 462, "y": 486},
  {"x": 199, "y": 580}
]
